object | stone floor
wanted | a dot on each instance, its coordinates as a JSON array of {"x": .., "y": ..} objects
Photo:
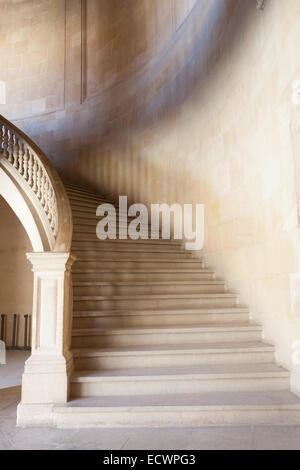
[{"x": 11, "y": 437}]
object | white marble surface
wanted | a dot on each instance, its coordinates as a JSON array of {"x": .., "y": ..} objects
[{"x": 212, "y": 438}]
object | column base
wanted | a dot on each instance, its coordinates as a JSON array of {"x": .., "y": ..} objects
[
  {"x": 35, "y": 415},
  {"x": 46, "y": 379}
]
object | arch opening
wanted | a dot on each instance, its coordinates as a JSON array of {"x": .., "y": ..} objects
[{"x": 16, "y": 287}]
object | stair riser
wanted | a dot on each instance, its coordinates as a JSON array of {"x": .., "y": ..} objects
[
  {"x": 81, "y": 209},
  {"x": 139, "y": 304},
  {"x": 83, "y": 203},
  {"x": 136, "y": 264},
  {"x": 168, "y": 360},
  {"x": 89, "y": 225},
  {"x": 71, "y": 187},
  {"x": 86, "y": 212},
  {"x": 104, "y": 254},
  {"x": 125, "y": 321},
  {"x": 141, "y": 277},
  {"x": 82, "y": 191},
  {"x": 180, "y": 385},
  {"x": 165, "y": 417},
  {"x": 91, "y": 235},
  {"x": 87, "y": 200},
  {"x": 91, "y": 220},
  {"x": 157, "y": 289},
  {"x": 126, "y": 245},
  {"x": 113, "y": 231},
  {"x": 126, "y": 340}
]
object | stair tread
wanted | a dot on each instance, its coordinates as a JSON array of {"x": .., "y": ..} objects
[
  {"x": 129, "y": 241},
  {"x": 107, "y": 250},
  {"x": 188, "y": 348},
  {"x": 270, "y": 399},
  {"x": 199, "y": 311},
  {"x": 155, "y": 296},
  {"x": 142, "y": 260},
  {"x": 82, "y": 198},
  {"x": 143, "y": 271},
  {"x": 162, "y": 329},
  {"x": 148, "y": 283},
  {"x": 77, "y": 187},
  {"x": 200, "y": 371}
]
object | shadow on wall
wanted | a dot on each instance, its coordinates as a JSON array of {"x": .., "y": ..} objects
[
  {"x": 114, "y": 143},
  {"x": 98, "y": 142}
]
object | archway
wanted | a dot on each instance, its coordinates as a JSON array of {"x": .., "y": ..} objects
[
  {"x": 16, "y": 287},
  {"x": 17, "y": 199}
]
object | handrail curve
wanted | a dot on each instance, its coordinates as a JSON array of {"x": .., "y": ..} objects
[{"x": 26, "y": 162}]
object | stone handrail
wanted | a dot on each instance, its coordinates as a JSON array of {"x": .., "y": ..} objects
[{"x": 26, "y": 162}]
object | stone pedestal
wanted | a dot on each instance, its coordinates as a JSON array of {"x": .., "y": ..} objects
[{"x": 47, "y": 371}]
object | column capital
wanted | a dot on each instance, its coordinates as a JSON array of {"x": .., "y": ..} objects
[{"x": 51, "y": 261}]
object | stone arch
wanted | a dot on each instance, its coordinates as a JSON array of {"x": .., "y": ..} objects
[{"x": 20, "y": 204}]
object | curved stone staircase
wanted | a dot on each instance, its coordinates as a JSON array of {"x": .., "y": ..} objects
[{"x": 159, "y": 341}]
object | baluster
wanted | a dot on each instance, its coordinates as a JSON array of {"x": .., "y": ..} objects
[
  {"x": 39, "y": 176},
  {"x": 10, "y": 146},
  {"x": 30, "y": 165},
  {"x": 51, "y": 209},
  {"x": 17, "y": 151},
  {"x": 43, "y": 179},
  {"x": 46, "y": 208},
  {"x": 5, "y": 141},
  {"x": 34, "y": 175},
  {"x": 25, "y": 164},
  {"x": 21, "y": 155}
]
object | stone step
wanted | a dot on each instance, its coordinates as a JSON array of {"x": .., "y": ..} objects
[
  {"x": 128, "y": 244},
  {"x": 81, "y": 224},
  {"x": 88, "y": 200},
  {"x": 155, "y": 318},
  {"x": 124, "y": 337},
  {"x": 141, "y": 275},
  {"x": 132, "y": 288},
  {"x": 89, "y": 234},
  {"x": 132, "y": 254},
  {"x": 158, "y": 301},
  {"x": 167, "y": 356},
  {"x": 114, "y": 229},
  {"x": 73, "y": 189},
  {"x": 90, "y": 216},
  {"x": 185, "y": 410},
  {"x": 176, "y": 380},
  {"x": 89, "y": 207},
  {"x": 137, "y": 263}
]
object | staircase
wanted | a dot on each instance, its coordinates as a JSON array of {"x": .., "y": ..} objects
[{"x": 159, "y": 341}]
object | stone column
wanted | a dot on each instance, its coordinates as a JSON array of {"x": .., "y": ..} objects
[{"x": 47, "y": 371}]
